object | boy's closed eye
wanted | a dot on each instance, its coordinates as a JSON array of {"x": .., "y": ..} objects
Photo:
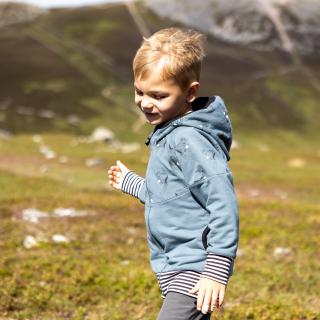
[
  {"x": 158, "y": 97},
  {"x": 154, "y": 96}
]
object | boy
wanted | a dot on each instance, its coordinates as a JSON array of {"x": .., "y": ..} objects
[{"x": 191, "y": 210}]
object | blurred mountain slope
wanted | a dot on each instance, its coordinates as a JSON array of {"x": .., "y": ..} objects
[{"x": 76, "y": 64}]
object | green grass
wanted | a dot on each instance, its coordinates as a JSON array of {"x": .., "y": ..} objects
[
  {"x": 78, "y": 63},
  {"x": 104, "y": 272}
]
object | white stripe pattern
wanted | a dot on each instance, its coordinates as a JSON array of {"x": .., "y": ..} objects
[
  {"x": 217, "y": 267},
  {"x": 132, "y": 183}
]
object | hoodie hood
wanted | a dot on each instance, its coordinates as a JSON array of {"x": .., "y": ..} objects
[{"x": 209, "y": 115}]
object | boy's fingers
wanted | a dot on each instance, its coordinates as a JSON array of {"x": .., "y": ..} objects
[
  {"x": 221, "y": 298},
  {"x": 200, "y": 298},
  {"x": 214, "y": 300},
  {"x": 206, "y": 301}
]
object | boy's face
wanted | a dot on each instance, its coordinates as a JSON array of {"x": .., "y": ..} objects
[{"x": 162, "y": 101}]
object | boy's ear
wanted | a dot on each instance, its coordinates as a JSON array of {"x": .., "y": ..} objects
[{"x": 193, "y": 91}]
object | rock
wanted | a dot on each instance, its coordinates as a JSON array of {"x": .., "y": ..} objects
[
  {"x": 43, "y": 169},
  {"x": 73, "y": 119},
  {"x": 281, "y": 194},
  {"x": 92, "y": 162},
  {"x": 37, "y": 138},
  {"x": 124, "y": 262},
  {"x": 47, "y": 152},
  {"x": 261, "y": 25},
  {"x": 63, "y": 159},
  {"x": 30, "y": 242},
  {"x": 129, "y": 147},
  {"x": 70, "y": 180},
  {"x": 47, "y": 114},
  {"x": 5, "y": 134},
  {"x": 240, "y": 252},
  {"x": 263, "y": 147},
  {"x": 25, "y": 111},
  {"x": 296, "y": 163},
  {"x": 69, "y": 212},
  {"x": 33, "y": 215},
  {"x": 106, "y": 92},
  {"x": 280, "y": 252},
  {"x": 11, "y": 13},
  {"x": 59, "y": 238},
  {"x": 231, "y": 304},
  {"x": 254, "y": 193},
  {"x": 101, "y": 134}
]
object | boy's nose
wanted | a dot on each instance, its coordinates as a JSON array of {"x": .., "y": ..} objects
[{"x": 146, "y": 105}]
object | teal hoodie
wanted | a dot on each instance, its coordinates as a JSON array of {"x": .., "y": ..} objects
[{"x": 191, "y": 208}]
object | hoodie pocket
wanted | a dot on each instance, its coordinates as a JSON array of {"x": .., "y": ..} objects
[{"x": 204, "y": 237}]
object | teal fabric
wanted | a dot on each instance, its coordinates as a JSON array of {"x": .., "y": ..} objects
[{"x": 189, "y": 188}]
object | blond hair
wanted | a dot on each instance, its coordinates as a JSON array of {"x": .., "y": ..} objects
[{"x": 172, "y": 54}]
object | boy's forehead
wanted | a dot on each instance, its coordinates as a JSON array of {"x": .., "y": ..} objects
[{"x": 154, "y": 84}]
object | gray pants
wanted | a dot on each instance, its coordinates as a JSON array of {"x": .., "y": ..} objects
[{"x": 178, "y": 306}]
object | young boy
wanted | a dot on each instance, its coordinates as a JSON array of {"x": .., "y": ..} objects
[{"x": 191, "y": 210}]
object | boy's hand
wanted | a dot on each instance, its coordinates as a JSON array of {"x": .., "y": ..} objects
[
  {"x": 210, "y": 294},
  {"x": 116, "y": 174}
]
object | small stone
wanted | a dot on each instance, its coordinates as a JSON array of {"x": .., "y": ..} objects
[
  {"x": 130, "y": 241},
  {"x": 47, "y": 114},
  {"x": 37, "y": 138},
  {"x": 296, "y": 163},
  {"x": 124, "y": 262},
  {"x": 30, "y": 242},
  {"x": 254, "y": 193},
  {"x": 73, "y": 119},
  {"x": 281, "y": 252},
  {"x": 63, "y": 159},
  {"x": 43, "y": 168},
  {"x": 263, "y": 147},
  {"x": 59, "y": 238},
  {"x": 33, "y": 215},
  {"x": 92, "y": 162}
]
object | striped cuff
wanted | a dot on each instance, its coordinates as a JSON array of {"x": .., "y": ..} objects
[
  {"x": 132, "y": 184},
  {"x": 217, "y": 268}
]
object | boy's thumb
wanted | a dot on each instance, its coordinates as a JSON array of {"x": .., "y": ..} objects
[
  {"x": 122, "y": 167},
  {"x": 120, "y": 164}
]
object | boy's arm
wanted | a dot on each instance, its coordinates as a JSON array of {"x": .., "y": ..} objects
[
  {"x": 217, "y": 268},
  {"x": 205, "y": 169},
  {"x": 134, "y": 185}
]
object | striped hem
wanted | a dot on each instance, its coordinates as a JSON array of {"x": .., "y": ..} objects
[
  {"x": 132, "y": 183},
  {"x": 217, "y": 268},
  {"x": 178, "y": 281}
]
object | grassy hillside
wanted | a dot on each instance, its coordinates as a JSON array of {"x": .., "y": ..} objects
[
  {"x": 69, "y": 71},
  {"x": 78, "y": 62}
]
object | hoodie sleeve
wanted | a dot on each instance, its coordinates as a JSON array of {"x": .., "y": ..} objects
[
  {"x": 206, "y": 172},
  {"x": 134, "y": 185}
]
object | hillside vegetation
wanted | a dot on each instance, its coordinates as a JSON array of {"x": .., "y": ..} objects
[{"x": 72, "y": 247}]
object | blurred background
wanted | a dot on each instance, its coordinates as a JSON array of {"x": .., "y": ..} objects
[{"x": 72, "y": 247}]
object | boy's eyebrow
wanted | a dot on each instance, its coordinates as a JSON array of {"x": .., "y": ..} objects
[{"x": 152, "y": 91}]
